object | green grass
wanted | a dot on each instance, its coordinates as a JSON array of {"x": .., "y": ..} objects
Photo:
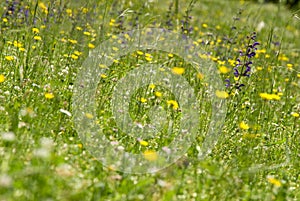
[{"x": 42, "y": 156}]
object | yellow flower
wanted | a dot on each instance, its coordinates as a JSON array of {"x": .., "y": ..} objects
[
  {"x": 173, "y": 103},
  {"x": 224, "y": 69},
  {"x": 178, "y": 70},
  {"x": 49, "y": 95},
  {"x": 37, "y": 38},
  {"x": 103, "y": 76},
  {"x": 73, "y": 56},
  {"x": 244, "y": 126},
  {"x": 170, "y": 55},
  {"x": 289, "y": 66},
  {"x": 294, "y": 114},
  {"x": 92, "y": 46},
  {"x": 5, "y": 20},
  {"x": 204, "y": 25},
  {"x": 139, "y": 52},
  {"x": 35, "y": 30},
  {"x": 72, "y": 41},
  {"x": 158, "y": 94},
  {"x": 222, "y": 94},
  {"x": 87, "y": 33},
  {"x": 150, "y": 155},
  {"x": 144, "y": 143},
  {"x": 274, "y": 181},
  {"x": 200, "y": 76},
  {"x": 77, "y": 53},
  {"x": 148, "y": 58},
  {"x": 79, "y": 28},
  {"x": 9, "y": 58},
  {"x": 267, "y": 96},
  {"x": 89, "y": 115},
  {"x": 2, "y": 78},
  {"x": 143, "y": 100},
  {"x": 69, "y": 12},
  {"x": 152, "y": 86}
]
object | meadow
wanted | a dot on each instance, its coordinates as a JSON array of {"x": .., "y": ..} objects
[{"x": 47, "y": 151}]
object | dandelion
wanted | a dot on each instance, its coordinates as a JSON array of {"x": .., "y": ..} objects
[
  {"x": 91, "y": 46},
  {"x": 9, "y": 58},
  {"x": 267, "y": 96},
  {"x": 150, "y": 155},
  {"x": 2, "y": 78},
  {"x": 152, "y": 86},
  {"x": 178, "y": 70},
  {"x": 37, "y": 38},
  {"x": 73, "y": 41},
  {"x": 87, "y": 33},
  {"x": 274, "y": 181},
  {"x": 170, "y": 55},
  {"x": 289, "y": 66},
  {"x": 222, "y": 94},
  {"x": 73, "y": 56},
  {"x": 89, "y": 115},
  {"x": 143, "y": 100},
  {"x": 295, "y": 114},
  {"x": 144, "y": 143},
  {"x": 139, "y": 52},
  {"x": 49, "y": 95},
  {"x": 158, "y": 94},
  {"x": 35, "y": 30},
  {"x": 173, "y": 103},
  {"x": 224, "y": 70},
  {"x": 244, "y": 126}
]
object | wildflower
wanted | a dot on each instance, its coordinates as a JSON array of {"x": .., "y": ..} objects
[
  {"x": 289, "y": 66},
  {"x": 243, "y": 62},
  {"x": 9, "y": 58},
  {"x": 73, "y": 56},
  {"x": 222, "y": 94},
  {"x": 152, "y": 86},
  {"x": 139, "y": 52},
  {"x": 5, "y": 20},
  {"x": 8, "y": 136},
  {"x": 170, "y": 55},
  {"x": 148, "y": 58},
  {"x": 103, "y": 76},
  {"x": 69, "y": 12},
  {"x": 2, "y": 78},
  {"x": 224, "y": 69},
  {"x": 77, "y": 53},
  {"x": 204, "y": 25},
  {"x": 274, "y": 181},
  {"x": 35, "y": 30},
  {"x": 72, "y": 41},
  {"x": 150, "y": 155},
  {"x": 89, "y": 115},
  {"x": 178, "y": 70},
  {"x": 37, "y": 38},
  {"x": 90, "y": 45},
  {"x": 158, "y": 94},
  {"x": 143, "y": 100},
  {"x": 295, "y": 114},
  {"x": 267, "y": 96},
  {"x": 49, "y": 95},
  {"x": 244, "y": 126},
  {"x": 144, "y": 143},
  {"x": 87, "y": 33},
  {"x": 173, "y": 103}
]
